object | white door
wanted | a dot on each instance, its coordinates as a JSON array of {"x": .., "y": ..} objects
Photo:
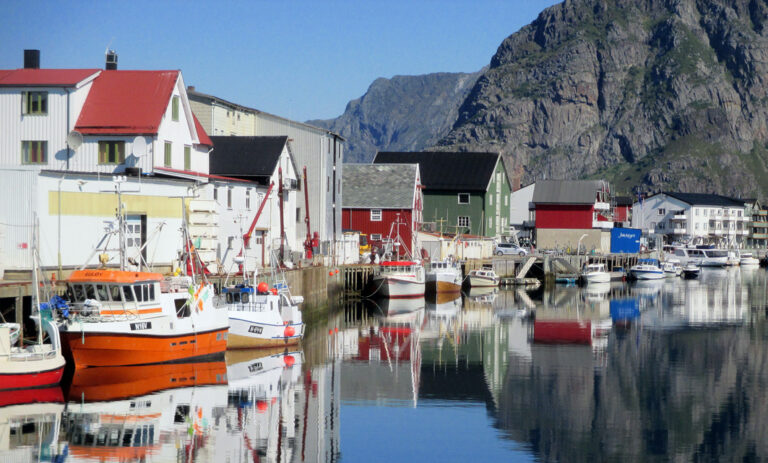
[{"x": 133, "y": 237}]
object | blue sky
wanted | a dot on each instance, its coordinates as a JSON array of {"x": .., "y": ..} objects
[{"x": 295, "y": 58}]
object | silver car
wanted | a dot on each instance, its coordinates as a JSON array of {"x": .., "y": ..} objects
[{"x": 509, "y": 249}]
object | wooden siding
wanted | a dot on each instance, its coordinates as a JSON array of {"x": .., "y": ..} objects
[
  {"x": 564, "y": 216},
  {"x": 360, "y": 220}
]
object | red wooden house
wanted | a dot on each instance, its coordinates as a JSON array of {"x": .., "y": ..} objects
[
  {"x": 572, "y": 204},
  {"x": 377, "y": 197}
]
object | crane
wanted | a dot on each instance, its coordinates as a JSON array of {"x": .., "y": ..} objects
[
  {"x": 249, "y": 233},
  {"x": 309, "y": 242}
]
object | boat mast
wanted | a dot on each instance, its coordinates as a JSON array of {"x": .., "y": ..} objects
[
  {"x": 120, "y": 219},
  {"x": 35, "y": 281}
]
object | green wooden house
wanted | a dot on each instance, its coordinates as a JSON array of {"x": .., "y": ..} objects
[{"x": 463, "y": 192}]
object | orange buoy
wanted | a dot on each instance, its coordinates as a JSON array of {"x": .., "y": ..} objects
[
  {"x": 289, "y": 331},
  {"x": 274, "y": 291},
  {"x": 261, "y": 406},
  {"x": 263, "y": 287}
]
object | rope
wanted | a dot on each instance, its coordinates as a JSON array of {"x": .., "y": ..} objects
[{"x": 375, "y": 291}]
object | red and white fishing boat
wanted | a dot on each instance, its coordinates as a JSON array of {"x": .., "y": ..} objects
[
  {"x": 399, "y": 278},
  {"x": 37, "y": 365},
  {"x": 395, "y": 277},
  {"x": 120, "y": 317}
]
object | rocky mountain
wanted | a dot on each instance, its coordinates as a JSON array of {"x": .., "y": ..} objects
[
  {"x": 672, "y": 94},
  {"x": 404, "y": 113}
]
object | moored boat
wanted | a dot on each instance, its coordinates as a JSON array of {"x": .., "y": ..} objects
[
  {"x": 747, "y": 259},
  {"x": 647, "y": 269},
  {"x": 443, "y": 276},
  {"x": 691, "y": 271},
  {"x": 120, "y": 317},
  {"x": 399, "y": 279},
  {"x": 261, "y": 316},
  {"x": 36, "y": 365},
  {"x": 482, "y": 277},
  {"x": 671, "y": 268},
  {"x": 596, "y": 273}
]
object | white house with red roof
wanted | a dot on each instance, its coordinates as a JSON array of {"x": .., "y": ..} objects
[{"x": 63, "y": 130}]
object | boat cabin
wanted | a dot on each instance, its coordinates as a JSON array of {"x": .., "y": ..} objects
[{"x": 395, "y": 266}]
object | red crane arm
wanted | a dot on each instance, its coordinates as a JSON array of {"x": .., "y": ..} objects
[{"x": 247, "y": 236}]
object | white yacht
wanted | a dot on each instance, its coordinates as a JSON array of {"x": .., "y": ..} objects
[
  {"x": 647, "y": 269},
  {"x": 748, "y": 259},
  {"x": 596, "y": 273},
  {"x": 702, "y": 257}
]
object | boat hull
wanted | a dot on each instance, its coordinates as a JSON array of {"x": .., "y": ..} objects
[
  {"x": 482, "y": 282},
  {"x": 114, "y": 349},
  {"x": 443, "y": 282},
  {"x": 598, "y": 277},
  {"x": 247, "y": 333},
  {"x": 33, "y": 374},
  {"x": 400, "y": 287},
  {"x": 650, "y": 275}
]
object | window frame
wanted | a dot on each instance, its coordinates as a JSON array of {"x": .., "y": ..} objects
[
  {"x": 42, "y": 146},
  {"x": 187, "y": 158},
  {"x": 175, "y": 108},
  {"x": 104, "y": 154},
  {"x": 459, "y": 201},
  {"x": 26, "y": 102},
  {"x": 459, "y": 221},
  {"x": 376, "y": 215},
  {"x": 168, "y": 154}
]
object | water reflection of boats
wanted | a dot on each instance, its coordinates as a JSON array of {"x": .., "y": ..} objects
[
  {"x": 597, "y": 291},
  {"x": 570, "y": 331},
  {"x": 444, "y": 309},
  {"x": 110, "y": 383},
  {"x": 482, "y": 294},
  {"x": 262, "y": 390},
  {"x": 647, "y": 288},
  {"x": 400, "y": 308},
  {"x": 139, "y": 428},
  {"x": 29, "y": 429}
]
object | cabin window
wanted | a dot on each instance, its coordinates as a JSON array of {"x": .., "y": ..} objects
[
  {"x": 34, "y": 152},
  {"x": 375, "y": 215},
  {"x": 34, "y": 103},
  {"x": 90, "y": 293},
  {"x": 152, "y": 292},
  {"x": 463, "y": 198},
  {"x": 128, "y": 292},
  {"x": 114, "y": 290},
  {"x": 111, "y": 152},
  {"x": 175, "y": 108},
  {"x": 79, "y": 293},
  {"x": 101, "y": 292},
  {"x": 137, "y": 292}
]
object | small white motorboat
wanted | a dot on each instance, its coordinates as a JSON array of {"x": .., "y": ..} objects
[
  {"x": 671, "y": 268},
  {"x": 482, "y": 277},
  {"x": 596, "y": 273},
  {"x": 647, "y": 269},
  {"x": 691, "y": 271},
  {"x": 748, "y": 259}
]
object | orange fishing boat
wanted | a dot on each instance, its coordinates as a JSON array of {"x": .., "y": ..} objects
[{"x": 120, "y": 317}]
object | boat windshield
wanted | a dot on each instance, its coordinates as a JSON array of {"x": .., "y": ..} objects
[{"x": 715, "y": 253}]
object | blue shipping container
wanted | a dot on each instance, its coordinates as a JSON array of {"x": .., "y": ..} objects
[{"x": 625, "y": 240}]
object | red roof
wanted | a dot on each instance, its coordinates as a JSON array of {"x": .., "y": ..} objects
[
  {"x": 127, "y": 102},
  {"x": 201, "y": 135},
  {"x": 44, "y": 77}
]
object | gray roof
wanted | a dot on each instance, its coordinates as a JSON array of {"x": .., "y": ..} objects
[
  {"x": 567, "y": 191},
  {"x": 379, "y": 186}
]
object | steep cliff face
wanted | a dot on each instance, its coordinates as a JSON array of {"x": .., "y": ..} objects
[
  {"x": 667, "y": 93},
  {"x": 404, "y": 113}
]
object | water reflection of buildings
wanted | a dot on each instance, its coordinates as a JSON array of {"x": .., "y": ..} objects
[{"x": 30, "y": 421}]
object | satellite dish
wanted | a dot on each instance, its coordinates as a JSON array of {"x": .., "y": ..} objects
[
  {"x": 74, "y": 139},
  {"x": 139, "y": 146}
]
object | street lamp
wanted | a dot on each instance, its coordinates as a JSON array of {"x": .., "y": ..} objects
[{"x": 578, "y": 247}]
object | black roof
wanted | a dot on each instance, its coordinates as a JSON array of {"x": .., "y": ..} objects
[
  {"x": 446, "y": 170},
  {"x": 245, "y": 157},
  {"x": 706, "y": 199},
  {"x": 623, "y": 200}
]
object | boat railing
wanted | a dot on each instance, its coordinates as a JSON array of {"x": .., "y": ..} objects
[
  {"x": 29, "y": 356},
  {"x": 249, "y": 306}
]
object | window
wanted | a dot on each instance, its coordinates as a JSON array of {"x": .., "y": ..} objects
[
  {"x": 187, "y": 158},
  {"x": 463, "y": 221},
  {"x": 375, "y": 215},
  {"x": 490, "y": 222},
  {"x": 298, "y": 214},
  {"x": 463, "y": 198},
  {"x": 215, "y": 194},
  {"x": 662, "y": 211},
  {"x": 34, "y": 152},
  {"x": 167, "y": 160},
  {"x": 175, "y": 108},
  {"x": 376, "y": 237},
  {"x": 34, "y": 103},
  {"x": 738, "y": 213},
  {"x": 506, "y": 200},
  {"x": 111, "y": 152},
  {"x": 653, "y": 225},
  {"x": 696, "y": 210},
  {"x": 490, "y": 200},
  {"x": 248, "y": 199},
  {"x": 229, "y": 198}
]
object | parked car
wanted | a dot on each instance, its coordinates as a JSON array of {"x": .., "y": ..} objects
[{"x": 509, "y": 249}]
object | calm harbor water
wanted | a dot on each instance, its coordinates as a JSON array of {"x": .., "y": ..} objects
[{"x": 674, "y": 369}]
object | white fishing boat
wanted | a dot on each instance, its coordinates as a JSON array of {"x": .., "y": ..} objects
[
  {"x": 747, "y": 259},
  {"x": 443, "y": 276},
  {"x": 398, "y": 278},
  {"x": 647, "y": 269},
  {"x": 733, "y": 258},
  {"x": 596, "y": 273},
  {"x": 482, "y": 277}
]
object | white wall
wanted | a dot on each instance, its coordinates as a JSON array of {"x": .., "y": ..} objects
[{"x": 518, "y": 205}]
